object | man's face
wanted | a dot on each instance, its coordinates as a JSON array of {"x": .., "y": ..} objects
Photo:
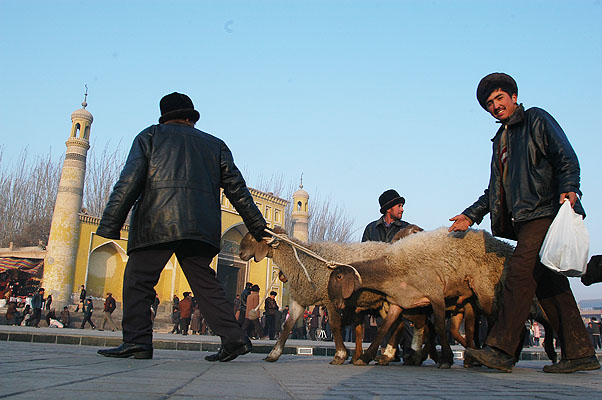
[
  {"x": 501, "y": 105},
  {"x": 396, "y": 211}
]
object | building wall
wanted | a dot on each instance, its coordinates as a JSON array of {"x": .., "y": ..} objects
[{"x": 101, "y": 262}]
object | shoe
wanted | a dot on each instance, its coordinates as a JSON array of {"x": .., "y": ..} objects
[
  {"x": 125, "y": 350},
  {"x": 99, "y": 330},
  {"x": 578, "y": 364},
  {"x": 492, "y": 358},
  {"x": 229, "y": 351}
]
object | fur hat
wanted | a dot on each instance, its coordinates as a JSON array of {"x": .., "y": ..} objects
[
  {"x": 496, "y": 80},
  {"x": 389, "y": 199},
  {"x": 177, "y": 106}
]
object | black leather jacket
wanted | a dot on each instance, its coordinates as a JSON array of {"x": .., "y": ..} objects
[
  {"x": 541, "y": 166},
  {"x": 377, "y": 231},
  {"x": 172, "y": 178}
]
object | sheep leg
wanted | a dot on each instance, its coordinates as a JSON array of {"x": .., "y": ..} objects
[
  {"x": 388, "y": 354},
  {"x": 469, "y": 327},
  {"x": 335, "y": 325},
  {"x": 393, "y": 318},
  {"x": 419, "y": 353},
  {"x": 359, "y": 336},
  {"x": 447, "y": 356},
  {"x": 454, "y": 328},
  {"x": 296, "y": 311}
]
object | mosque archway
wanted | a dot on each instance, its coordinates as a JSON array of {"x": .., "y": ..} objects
[{"x": 231, "y": 270}]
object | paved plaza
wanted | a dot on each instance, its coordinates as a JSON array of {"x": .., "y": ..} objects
[{"x": 59, "y": 371}]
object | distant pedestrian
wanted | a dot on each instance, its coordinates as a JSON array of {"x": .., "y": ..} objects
[
  {"x": 48, "y": 302},
  {"x": 195, "y": 322},
  {"x": 596, "y": 333},
  {"x": 175, "y": 319},
  {"x": 242, "y": 315},
  {"x": 109, "y": 307},
  {"x": 82, "y": 298},
  {"x": 88, "y": 310},
  {"x": 271, "y": 307},
  {"x": 252, "y": 314},
  {"x": 65, "y": 317},
  {"x": 36, "y": 305},
  {"x": 185, "y": 313}
]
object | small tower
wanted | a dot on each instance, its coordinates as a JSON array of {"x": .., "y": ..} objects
[
  {"x": 300, "y": 214},
  {"x": 59, "y": 264}
]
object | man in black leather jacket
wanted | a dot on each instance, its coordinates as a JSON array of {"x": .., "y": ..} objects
[
  {"x": 384, "y": 228},
  {"x": 172, "y": 179},
  {"x": 533, "y": 170}
]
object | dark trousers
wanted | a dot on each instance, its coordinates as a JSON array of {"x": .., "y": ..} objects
[
  {"x": 526, "y": 278},
  {"x": 36, "y": 315},
  {"x": 142, "y": 273},
  {"x": 88, "y": 319},
  {"x": 251, "y": 324},
  {"x": 184, "y": 324},
  {"x": 270, "y": 325}
]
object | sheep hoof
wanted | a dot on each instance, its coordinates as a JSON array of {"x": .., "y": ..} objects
[
  {"x": 470, "y": 362},
  {"x": 337, "y": 361},
  {"x": 384, "y": 361},
  {"x": 270, "y": 359},
  {"x": 360, "y": 362},
  {"x": 444, "y": 365}
]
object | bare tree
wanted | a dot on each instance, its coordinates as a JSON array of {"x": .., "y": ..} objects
[
  {"x": 102, "y": 172},
  {"x": 326, "y": 221},
  {"x": 27, "y": 195}
]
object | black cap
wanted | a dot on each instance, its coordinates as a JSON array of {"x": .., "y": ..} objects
[
  {"x": 389, "y": 199},
  {"x": 496, "y": 80},
  {"x": 177, "y": 106}
]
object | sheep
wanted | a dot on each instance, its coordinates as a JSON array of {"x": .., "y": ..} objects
[
  {"x": 426, "y": 268},
  {"x": 434, "y": 266},
  {"x": 594, "y": 271},
  {"x": 305, "y": 293}
]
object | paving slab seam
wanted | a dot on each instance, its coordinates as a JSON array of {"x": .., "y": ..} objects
[
  {"x": 282, "y": 386},
  {"x": 182, "y": 386},
  {"x": 57, "y": 385}
]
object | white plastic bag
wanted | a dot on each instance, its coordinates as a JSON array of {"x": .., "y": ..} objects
[{"x": 566, "y": 246}]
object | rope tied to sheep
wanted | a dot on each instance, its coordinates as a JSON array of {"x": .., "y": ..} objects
[{"x": 330, "y": 264}]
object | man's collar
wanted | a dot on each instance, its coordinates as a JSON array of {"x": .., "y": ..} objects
[
  {"x": 381, "y": 221},
  {"x": 517, "y": 117}
]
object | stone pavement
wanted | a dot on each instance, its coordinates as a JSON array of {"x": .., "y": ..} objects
[{"x": 59, "y": 371}]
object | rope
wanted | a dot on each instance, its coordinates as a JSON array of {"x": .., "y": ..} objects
[{"x": 295, "y": 246}]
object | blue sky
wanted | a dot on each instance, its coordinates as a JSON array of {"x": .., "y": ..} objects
[{"x": 359, "y": 96}]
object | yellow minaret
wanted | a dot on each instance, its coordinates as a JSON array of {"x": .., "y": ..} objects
[
  {"x": 300, "y": 214},
  {"x": 59, "y": 264}
]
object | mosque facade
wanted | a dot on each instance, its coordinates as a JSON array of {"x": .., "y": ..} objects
[{"x": 76, "y": 256}]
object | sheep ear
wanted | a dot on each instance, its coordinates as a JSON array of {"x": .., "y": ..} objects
[
  {"x": 261, "y": 250},
  {"x": 348, "y": 285}
]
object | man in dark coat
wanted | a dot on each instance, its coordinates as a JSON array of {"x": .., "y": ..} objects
[
  {"x": 384, "y": 228},
  {"x": 533, "y": 171},
  {"x": 36, "y": 306},
  {"x": 109, "y": 306},
  {"x": 172, "y": 179},
  {"x": 270, "y": 307},
  {"x": 82, "y": 298},
  {"x": 243, "y": 303}
]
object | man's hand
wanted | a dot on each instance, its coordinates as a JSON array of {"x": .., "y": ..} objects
[
  {"x": 461, "y": 223},
  {"x": 572, "y": 196}
]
